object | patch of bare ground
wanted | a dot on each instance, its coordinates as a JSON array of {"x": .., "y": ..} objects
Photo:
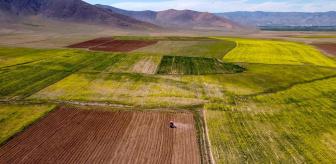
[
  {"x": 91, "y": 43},
  {"x": 88, "y": 136},
  {"x": 329, "y": 48},
  {"x": 122, "y": 45},
  {"x": 146, "y": 66},
  {"x": 213, "y": 91},
  {"x": 111, "y": 45}
]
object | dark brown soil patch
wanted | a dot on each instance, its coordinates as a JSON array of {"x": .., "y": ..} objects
[
  {"x": 110, "y": 45},
  {"x": 122, "y": 45},
  {"x": 329, "y": 48},
  {"x": 91, "y": 43},
  {"x": 84, "y": 136}
]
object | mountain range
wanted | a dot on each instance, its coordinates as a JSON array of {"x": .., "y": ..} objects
[
  {"x": 70, "y": 10},
  {"x": 81, "y": 12},
  {"x": 78, "y": 11},
  {"x": 260, "y": 18},
  {"x": 179, "y": 18}
]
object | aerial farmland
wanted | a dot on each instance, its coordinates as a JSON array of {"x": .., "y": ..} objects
[
  {"x": 108, "y": 86},
  {"x": 252, "y": 103}
]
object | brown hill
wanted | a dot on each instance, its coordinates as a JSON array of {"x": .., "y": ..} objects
[
  {"x": 71, "y": 10},
  {"x": 187, "y": 19}
]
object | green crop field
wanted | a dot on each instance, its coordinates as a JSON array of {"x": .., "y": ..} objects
[
  {"x": 153, "y": 90},
  {"x": 195, "y": 66},
  {"x": 23, "y": 79},
  {"x": 124, "y": 63},
  {"x": 265, "y": 101},
  {"x": 17, "y": 56},
  {"x": 276, "y": 52},
  {"x": 121, "y": 88},
  {"x": 260, "y": 78},
  {"x": 14, "y": 118},
  {"x": 296, "y": 125}
]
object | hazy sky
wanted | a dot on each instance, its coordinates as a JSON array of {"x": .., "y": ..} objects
[{"x": 223, "y": 5}]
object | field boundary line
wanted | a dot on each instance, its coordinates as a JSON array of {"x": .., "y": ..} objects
[
  {"x": 29, "y": 125},
  {"x": 24, "y": 63},
  {"x": 81, "y": 65},
  {"x": 236, "y": 46},
  {"x": 201, "y": 139},
  {"x": 227, "y": 40},
  {"x": 96, "y": 104},
  {"x": 302, "y": 64},
  {"x": 158, "y": 66},
  {"x": 20, "y": 64},
  {"x": 291, "y": 86},
  {"x": 212, "y": 160},
  {"x": 324, "y": 52},
  {"x": 51, "y": 135}
]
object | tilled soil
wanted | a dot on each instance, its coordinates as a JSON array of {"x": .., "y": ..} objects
[
  {"x": 122, "y": 45},
  {"x": 329, "y": 48},
  {"x": 83, "y": 136},
  {"x": 111, "y": 45},
  {"x": 91, "y": 43}
]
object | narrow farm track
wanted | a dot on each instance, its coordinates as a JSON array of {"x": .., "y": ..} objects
[
  {"x": 207, "y": 141},
  {"x": 86, "y": 136}
]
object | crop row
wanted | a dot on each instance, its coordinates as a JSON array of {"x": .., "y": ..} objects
[{"x": 195, "y": 66}]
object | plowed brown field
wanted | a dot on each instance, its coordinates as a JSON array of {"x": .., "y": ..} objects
[
  {"x": 329, "y": 48},
  {"x": 122, "y": 45},
  {"x": 83, "y": 136},
  {"x": 91, "y": 43},
  {"x": 110, "y": 45}
]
